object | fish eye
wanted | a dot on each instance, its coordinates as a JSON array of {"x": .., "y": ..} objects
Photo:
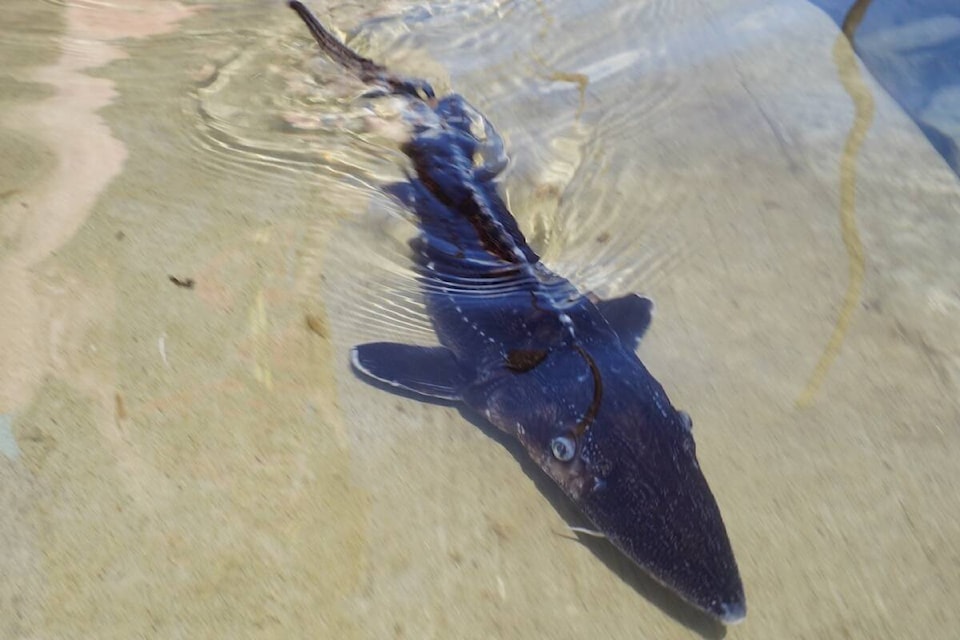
[
  {"x": 563, "y": 448},
  {"x": 685, "y": 420}
]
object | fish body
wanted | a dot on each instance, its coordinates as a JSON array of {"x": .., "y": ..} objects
[{"x": 553, "y": 367}]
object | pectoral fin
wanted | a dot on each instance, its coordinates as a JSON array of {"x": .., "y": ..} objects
[
  {"x": 629, "y": 316},
  {"x": 425, "y": 371}
]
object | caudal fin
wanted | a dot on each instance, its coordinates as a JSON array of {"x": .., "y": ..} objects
[{"x": 364, "y": 68}]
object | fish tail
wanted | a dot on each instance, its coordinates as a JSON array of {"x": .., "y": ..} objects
[{"x": 366, "y": 69}]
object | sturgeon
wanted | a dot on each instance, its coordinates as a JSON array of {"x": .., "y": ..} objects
[{"x": 553, "y": 367}]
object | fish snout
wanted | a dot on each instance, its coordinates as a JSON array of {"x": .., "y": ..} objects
[
  {"x": 730, "y": 613},
  {"x": 654, "y": 504}
]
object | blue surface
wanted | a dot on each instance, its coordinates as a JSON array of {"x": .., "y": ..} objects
[
  {"x": 912, "y": 47},
  {"x": 8, "y": 444}
]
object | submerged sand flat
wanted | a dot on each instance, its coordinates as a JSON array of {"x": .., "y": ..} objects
[{"x": 198, "y": 460}]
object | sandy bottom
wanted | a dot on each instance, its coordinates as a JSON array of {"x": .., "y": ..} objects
[{"x": 183, "y": 451}]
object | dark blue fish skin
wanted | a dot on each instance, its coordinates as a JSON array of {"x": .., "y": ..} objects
[{"x": 555, "y": 368}]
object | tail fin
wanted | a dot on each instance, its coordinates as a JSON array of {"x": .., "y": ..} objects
[{"x": 364, "y": 68}]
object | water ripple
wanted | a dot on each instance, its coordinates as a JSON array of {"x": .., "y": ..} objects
[{"x": 272, "y": 109}]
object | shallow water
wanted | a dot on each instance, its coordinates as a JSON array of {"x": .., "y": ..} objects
[
  {"x": 199, "y": 461},
  {"x": 912, "y": 49}
]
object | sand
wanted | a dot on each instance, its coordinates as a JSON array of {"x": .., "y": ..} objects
[{"x": 199, "y": 461}]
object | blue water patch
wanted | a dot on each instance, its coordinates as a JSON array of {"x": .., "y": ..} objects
[
  {"x": 913, "y": 50},
  {"x": 8, "y": 444}
]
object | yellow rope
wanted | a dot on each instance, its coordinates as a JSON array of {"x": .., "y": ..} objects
[{"x": 852, "y": 80}]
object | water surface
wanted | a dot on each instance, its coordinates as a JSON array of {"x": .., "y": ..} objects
[
  {"x": 199, "y": 461},
  {"x": 912, "y": 48}
]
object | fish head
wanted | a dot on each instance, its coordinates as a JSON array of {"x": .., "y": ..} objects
[{"x": 633, "y": 471}]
